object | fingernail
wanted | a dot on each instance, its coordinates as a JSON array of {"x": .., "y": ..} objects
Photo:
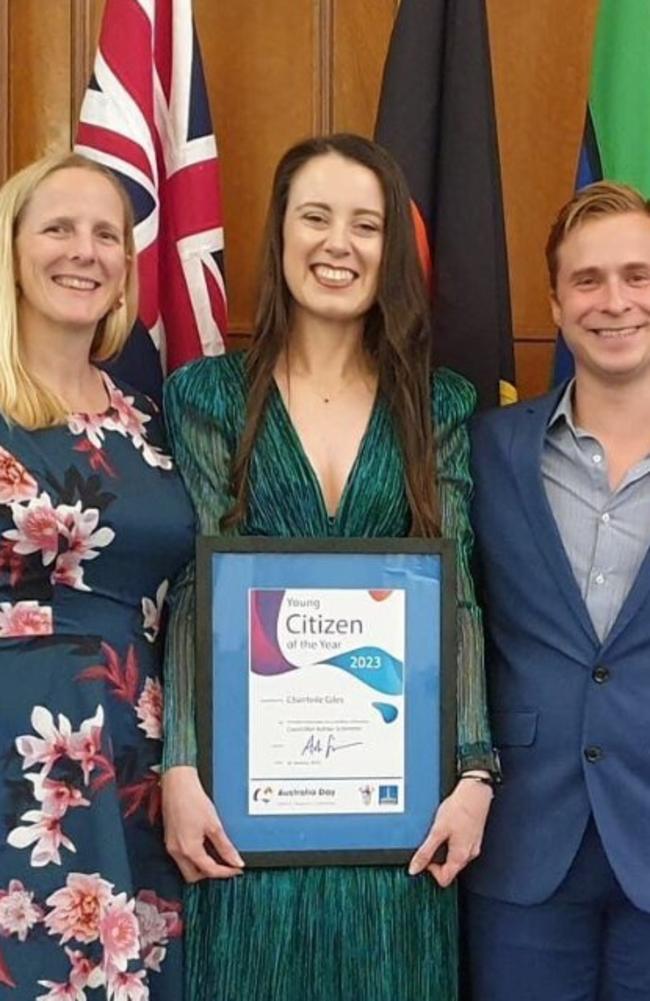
[
  {"x": 240, "y": 860},
  {"x": 413, "y": 869}
]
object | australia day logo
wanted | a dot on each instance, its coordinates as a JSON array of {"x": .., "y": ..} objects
[{"x": 354, "y": 630}]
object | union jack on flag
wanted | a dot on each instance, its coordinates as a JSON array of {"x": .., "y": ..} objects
[{"x": 145, "y": 115}]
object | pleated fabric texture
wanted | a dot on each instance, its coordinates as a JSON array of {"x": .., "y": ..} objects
[
  {"x": 322, "y": 934},
  {"x": 319, "y": 934}
]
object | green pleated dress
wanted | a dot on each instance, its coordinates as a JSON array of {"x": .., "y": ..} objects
[{"x": 337, "y": 933}]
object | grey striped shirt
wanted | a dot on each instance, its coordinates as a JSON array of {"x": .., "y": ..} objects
[{"x": 605, "y": 533}]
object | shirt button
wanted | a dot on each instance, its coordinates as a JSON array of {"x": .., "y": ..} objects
[
  {"x": 605, "y": 518},
  {"x": 599, "y": 578},
  {"x": 593, "y": 753},
  {"x": 600, "y": 674},
  {"x": 597, "y": 457}
]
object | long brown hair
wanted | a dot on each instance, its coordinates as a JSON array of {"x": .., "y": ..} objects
[{"x": 396, "y": 333}]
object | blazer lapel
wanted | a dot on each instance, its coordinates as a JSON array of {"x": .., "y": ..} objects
[{"x": 526, "y": 456}]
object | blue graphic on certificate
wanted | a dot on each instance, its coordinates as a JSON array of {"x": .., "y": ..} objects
[{"x": 326, "y": 700}]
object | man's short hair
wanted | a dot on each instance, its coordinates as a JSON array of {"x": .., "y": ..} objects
[{"x": 592, "y": 202}]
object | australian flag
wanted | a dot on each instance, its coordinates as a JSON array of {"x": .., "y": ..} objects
[{"x": 145, "y": 115}]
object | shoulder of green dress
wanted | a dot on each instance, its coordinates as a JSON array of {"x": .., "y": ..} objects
[
  {"x": 208, "y": 386},
  {"x": 453, "y": 397}
]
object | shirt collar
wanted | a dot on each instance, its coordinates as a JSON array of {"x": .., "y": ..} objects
[{"x": 563, "y": 412}]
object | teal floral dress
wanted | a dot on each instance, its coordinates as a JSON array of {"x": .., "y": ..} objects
[
  {"x": 313, "y": 934},
  {"x": 94, "y": 525}
]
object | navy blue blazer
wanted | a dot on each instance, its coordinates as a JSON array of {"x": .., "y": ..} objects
[{"x": 570, "y": 715}]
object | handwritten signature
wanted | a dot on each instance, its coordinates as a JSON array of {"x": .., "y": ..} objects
[{"x": 315, "y": 745}]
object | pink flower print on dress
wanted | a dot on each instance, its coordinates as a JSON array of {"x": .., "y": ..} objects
[
  {"x": 69, "y": 572},
  {"x": 153, "y": 933},
  {"x": 159, "y": 921},
  {"x": 18, "y": 912},
  {"x": 78, "y": 907},
  {"x": 79, "y": 529},
  {"x": 56, "y": 797},
  {"x": 60, "y": 992},
  {"x": 149, "y": 709},
  {"x": 152, "y": 611},
  {"x": 119, "y": 933},
  {"x": 45, "y": 834},
  {"x": 85, "y": 972},
  {"x": 127, "y": 986},
  {"x": 37, "y": 528},
  {"x": 16, "y": 484},
  {"x": 25, "y": 618},
  {"x": 85, "y": 745},
  {"x": 51, "y": 744},
  {"x": 155, "y": 457},
  {"x": 128, "y": 420},
  {"x": 125, "y": 418},
  {"x": 92, "y": 425}
]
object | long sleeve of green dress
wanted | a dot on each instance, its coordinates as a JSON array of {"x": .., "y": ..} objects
[
  {"x": 451, "y": 412},
  {"x": 203, "y": 458}
]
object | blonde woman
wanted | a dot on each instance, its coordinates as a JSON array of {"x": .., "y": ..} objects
[{"x": 93, "y": 524}]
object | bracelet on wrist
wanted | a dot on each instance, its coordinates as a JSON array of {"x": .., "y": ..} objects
[{"x": 485, "y": 780}]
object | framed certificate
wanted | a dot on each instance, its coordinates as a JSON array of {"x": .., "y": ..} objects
[{"x": 326, "y": 694}]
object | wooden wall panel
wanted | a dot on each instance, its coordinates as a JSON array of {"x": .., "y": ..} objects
[
  {"x": 534, "y": 365},
  {"x": 39, "y": 80},
  {"x": 540, "y": 55},
  {"x": 86, "y": 18},
  {"x": 262, "y": 64},
  {"x": 361, "y": 32},
  {"x": 4, "y": 89},
  {"x": 96, "y": 9}
]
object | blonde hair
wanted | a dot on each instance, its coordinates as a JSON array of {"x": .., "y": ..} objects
[
  {"x": 604, "y": 198},
  {"x": 23, "y": 398}
]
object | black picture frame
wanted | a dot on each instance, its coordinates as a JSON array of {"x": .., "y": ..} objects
[{"x": 219, "y": 562}]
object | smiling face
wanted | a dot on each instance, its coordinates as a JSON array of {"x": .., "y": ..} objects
[
  {"x": 602, "y": 296},
  {"x": 333, "y": 237},
  {"x": 71, "y": 263}
]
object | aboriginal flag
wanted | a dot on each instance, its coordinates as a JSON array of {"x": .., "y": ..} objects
[
  {"x": 616, "y": 141},
  {"x": 436, "y": 116}
]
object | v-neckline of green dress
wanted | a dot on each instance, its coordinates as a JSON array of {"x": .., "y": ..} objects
[{"x": 307, "y": 464}]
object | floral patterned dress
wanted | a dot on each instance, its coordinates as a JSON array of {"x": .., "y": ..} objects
[{"x": 94, "y": 524}]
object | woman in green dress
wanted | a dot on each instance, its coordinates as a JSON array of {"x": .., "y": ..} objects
[{"x": 334, "y": 423}]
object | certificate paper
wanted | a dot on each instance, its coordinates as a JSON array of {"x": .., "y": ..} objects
[{"x": 326, "y": 701}]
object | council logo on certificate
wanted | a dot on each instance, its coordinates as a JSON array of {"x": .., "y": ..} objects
[{"x": 326, "y": 701}]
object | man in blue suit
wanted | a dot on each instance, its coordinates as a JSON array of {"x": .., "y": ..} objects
[{"x": 558, "y": 903}]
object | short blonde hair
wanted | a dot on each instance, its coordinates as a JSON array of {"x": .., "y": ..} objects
[
  {"x": 23, "y": 398},
  {"x": 603, "y": 198}
]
